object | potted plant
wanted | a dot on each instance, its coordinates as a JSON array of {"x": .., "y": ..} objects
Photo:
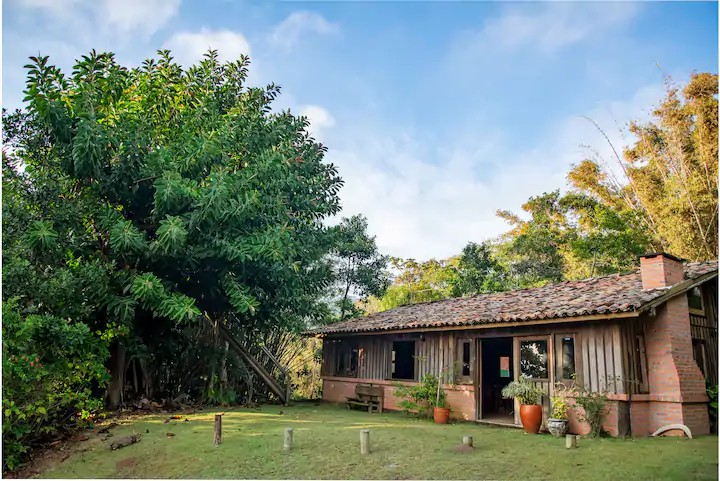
[
  {"x": 441, "y": 412},
  {"x": 529, "y": 396},
  {"x": 557, "y": 423}
]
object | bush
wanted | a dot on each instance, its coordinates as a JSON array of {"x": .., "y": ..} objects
[
  {"x": 53, "y": 371},
  {"x": 422, "y": 397},
  {"x": 712, "y": 392},
  {"x": 594, "y": 405},
  {"x": 524, "y": 391}
]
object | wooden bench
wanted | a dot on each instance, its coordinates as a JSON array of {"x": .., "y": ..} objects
[{"x": 367, "y": 396}]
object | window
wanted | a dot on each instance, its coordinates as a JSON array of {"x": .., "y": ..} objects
[
  {"x": 695, "y": 301},
  {"x": 465, "y": 371},
  {"x": 346, "y": 359},
  {"x": 565, "y": 355},
  {"x": 403, "y": 360},
  {"x": 699, "y": 355},
  {"x": 534, "y": 359},
  {"x": 641, "y": 365}
]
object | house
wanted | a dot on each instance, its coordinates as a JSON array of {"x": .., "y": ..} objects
[{"x": 649, "y": 339}]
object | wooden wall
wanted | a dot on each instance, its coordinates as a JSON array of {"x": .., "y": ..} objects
[{"x": 599, "y": 355}]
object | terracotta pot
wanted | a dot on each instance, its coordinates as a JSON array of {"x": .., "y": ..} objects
[
  {"x": 441, "y": 415},
  {"x": 531, "y": 417}
]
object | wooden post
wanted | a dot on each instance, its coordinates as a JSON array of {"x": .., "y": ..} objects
[
  {"x": 468, "y": 441},
  {"x": 218, "y": 429},
  {"x": 570, "y": 441},
  {"x": 287, "y": 444},
  {"x": 365, "y": 441}
]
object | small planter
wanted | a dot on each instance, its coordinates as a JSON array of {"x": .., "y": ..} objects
[
  {"x": 441, "y": 415},
  {"x": 531, "y": 417},
  {"x": 557, "y": 427}
]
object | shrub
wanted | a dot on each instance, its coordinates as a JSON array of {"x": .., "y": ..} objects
[
  {"x": 423, "y": 397},
  {"x": 53, "y": 371},
  {"x": 594, "y": 405},
  {"x": 712, "y": 392},
  {"x": 524, "y": 391},
  {"x": 560, "y": 402}
]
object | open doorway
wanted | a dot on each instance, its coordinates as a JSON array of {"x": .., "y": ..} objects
[{"x": 497, "y": 372}]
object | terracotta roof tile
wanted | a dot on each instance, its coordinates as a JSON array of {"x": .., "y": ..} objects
[{"x": 615, "y": 293}]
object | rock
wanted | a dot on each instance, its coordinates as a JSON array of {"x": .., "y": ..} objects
[{"x": 125, "y": 441}]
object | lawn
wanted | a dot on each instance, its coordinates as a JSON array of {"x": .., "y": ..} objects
[{"x": 326, "y": 446}]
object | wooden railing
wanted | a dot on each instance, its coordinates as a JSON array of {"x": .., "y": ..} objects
[{"x": 261, "y": 361}]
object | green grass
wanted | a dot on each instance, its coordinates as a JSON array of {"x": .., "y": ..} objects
[{"x": 326, "y": 446}]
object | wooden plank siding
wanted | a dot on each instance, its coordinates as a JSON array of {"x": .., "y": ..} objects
[{"x": 601, "y": 353}]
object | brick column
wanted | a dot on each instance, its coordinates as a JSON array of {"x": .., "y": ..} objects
[{"x": 677, "y": 387}]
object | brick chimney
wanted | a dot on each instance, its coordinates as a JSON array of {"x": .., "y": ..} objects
[{"x": 660, "y": 270}]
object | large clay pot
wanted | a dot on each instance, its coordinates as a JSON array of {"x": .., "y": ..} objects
[
  {"x": 531, "y": 417},
  {"x": 441, "y": 415}
]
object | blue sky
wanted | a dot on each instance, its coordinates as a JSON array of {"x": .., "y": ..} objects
[{"x": 437, "y": 113}]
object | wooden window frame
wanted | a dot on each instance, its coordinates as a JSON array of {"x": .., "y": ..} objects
[
  {"x": 695, "y": 311},
  {"x": 642, "y": 362},
  {"x": 548, "y": 338},
  {"x": 559, "y": 358},
  {"x": 354, "y": 345},
  {"x": 414, "y": 358},
  {"x": 468, "y": 378}
]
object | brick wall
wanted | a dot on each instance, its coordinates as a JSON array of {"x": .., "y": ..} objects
[
  {"x": 677, "y": 387},
  {"x": 660, "y": 270},
  {"x": 460, "y": 398}
]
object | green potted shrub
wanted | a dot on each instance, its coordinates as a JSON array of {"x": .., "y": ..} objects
[
  {"x": 441, "y": 411},
  {"x": 529, "y": 396},
  {"x": 557, "y": 423}
]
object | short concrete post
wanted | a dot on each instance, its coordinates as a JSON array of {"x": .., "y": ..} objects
[
  {"x": 468, "y": 441},
  {"x": 287, "y": 444},
  {"x": 570, "y": 441},
  {"x": 365, "y": 441},
  {"x": 218, "y": 429}
]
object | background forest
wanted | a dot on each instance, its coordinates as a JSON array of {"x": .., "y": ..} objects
[{"x": 143, "y": 206}]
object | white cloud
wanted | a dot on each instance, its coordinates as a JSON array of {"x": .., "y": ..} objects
[
  {"x": 320, "y": 120},
  {"x": 147, "y": 16},
  {"x": 124, "y": 17},
  {"x": 547, "y": 28},
  {"x": 422, "y": 204},
  {"x": 189, "y": 47},
  {"x": 288, "y": 32}
]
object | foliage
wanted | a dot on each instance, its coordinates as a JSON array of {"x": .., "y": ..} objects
[
  {"x": 359, "y": 269},
  {"x": 148, "y": 200},
  {"x": 415, "y": 282},
  {"x": 53, "y": 373},
  {"x": 594, "y": 408},
  {"x": 478, "y": 271},
  {"x": 421, "y": 398},
  {"x": 523, "y": 390},
  {"x": 669, "y": 180},
  {"x": 559, "y": 402},
  {"x": 712, "y": 392}
]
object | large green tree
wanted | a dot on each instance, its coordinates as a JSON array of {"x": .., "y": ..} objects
[
  {"x": 359, "y": 268},
  {"x": 669, "y": 176},
  {"x": 190, "y": 195}
]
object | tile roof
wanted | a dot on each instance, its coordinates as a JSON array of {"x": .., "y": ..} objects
[{"x": 617, "y": 293}]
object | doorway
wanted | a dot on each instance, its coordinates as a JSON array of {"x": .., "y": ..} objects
[{"x": 497, "y": 372}]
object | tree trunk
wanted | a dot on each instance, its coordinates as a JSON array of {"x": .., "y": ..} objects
[{"x": 117, "y": 373}]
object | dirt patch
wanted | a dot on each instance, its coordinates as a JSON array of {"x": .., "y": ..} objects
[
  {"x": 463, "y": 449},
  {"x": 125, "y": 467},
  {"x": 49, "y": 458}
]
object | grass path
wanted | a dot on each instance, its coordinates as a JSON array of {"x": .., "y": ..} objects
[{"x": 326, "y": 446}]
